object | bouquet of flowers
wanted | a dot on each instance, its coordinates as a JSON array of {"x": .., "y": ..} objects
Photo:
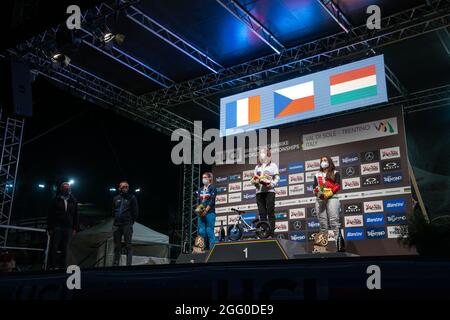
[
  {"x": 263, "y": 179},
  {"x": 200, "y": 210},
  {"x": 326, "y": 190}
]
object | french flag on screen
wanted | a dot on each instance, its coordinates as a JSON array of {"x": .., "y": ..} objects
[{"x": 243, "y": 112}]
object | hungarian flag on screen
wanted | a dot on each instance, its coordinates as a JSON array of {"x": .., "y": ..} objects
[
  {"x": 243, "y": 112},
  {"x": 295, "y": 99},
  {"x": 353, "y": 85}
]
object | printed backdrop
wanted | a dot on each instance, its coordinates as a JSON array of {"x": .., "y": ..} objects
[{"x": 368, "y": 149}]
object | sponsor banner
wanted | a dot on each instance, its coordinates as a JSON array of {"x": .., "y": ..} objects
[
  {"x": 370, "y": 168},
  {"x": 354, "y": 207},
  {"x": 390, "y": 178},
  {"x": 281, "y": 226},
  {"x": 297, "y": 225},
  {"x": 298, "y": 236},
  {"x": 390, "y": 165},
  {"x": 353, "y": 221},
  {"x": 331, "y": 236},
  {"x": 370, "y": 181},
  {"x": 313, "y": 224},
  {"x": 357, "y": 132},
  {"x": 221, "y": 189},
  {"x": 395, "y": 205},
  {"x": 234, "y": 197},
  {"x": 396, "y": 218},
  {"x": 296, "y": 178},
  {"x": 282, "y": 236},
  {"x": 247, "y": 185},
  {"x": 281, "y": 192},
  {"x": 312, "y": 165},
  {"x": 351, "y": 183},
  {"x": 249, "y": 217},
  {"x": 234, "y": 177},
  {"x": 235, "y": 187},
  {"x": 350, "y": 159},
  {"x": 311, "y": 212},
  {"x": 297, "y": 213},
  {"x": 296, "y": 167},
  {"x": 370, "y": 156},
  {"x": 309, "y": 176},
  {"x": 375, "y": 233},
  {"x": 296, "y": 189},
  {"x": 282, "y": 170},
  {"x": 396, "y": 232},
  {"x": 221, "y": 199},
  {"x": 221, "y": 179},
  {"x": 283, "y": 181},
  {"x": 233, "y": 218},
  {"x": 390, "y": 153},
  {"x": 335, "y": 160},
  {"x": 373, "y": 206},
  {"x": 247, "y": 175},
  {"x": 309, "y": 188},
  {"x": 220, "y": 219},
  {"x": 350, "y": 171},
  {"x": 281, "y": 216},
  {"x": 250, "y": 195},
  {"x": 354, "y": 234},
  {"x": 374, "y": 219},
  {"x": 311, "y": 200}
]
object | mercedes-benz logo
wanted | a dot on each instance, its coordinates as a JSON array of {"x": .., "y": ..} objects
[
  {"x": 350, "y": 171},
  {"x": 369, "y": 156},
  {"x": 297, "y": 225},
  {"x": 280, "y": 236}
]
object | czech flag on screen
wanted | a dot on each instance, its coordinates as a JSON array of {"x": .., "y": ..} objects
[
  {"x": 353, "y": 85},
  {"x": 243, "y": 112},
  {"x": 295, "y": 99}
]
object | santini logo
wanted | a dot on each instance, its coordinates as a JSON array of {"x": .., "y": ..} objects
[
  {"x": 350, "y": 159},
  {"x": 393, "y": 178},
  {"x": 354, "y": 234},
  {"x": 397, "y": 204}
]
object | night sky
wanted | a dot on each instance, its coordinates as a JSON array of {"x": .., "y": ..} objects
[{"x": 97, "y": 149}]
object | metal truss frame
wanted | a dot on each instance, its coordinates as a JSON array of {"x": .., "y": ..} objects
[
  {"x": 336, "y": 13},
  {"x": 312, "y": 55},
  {"x": 11, "y": 143},
  {"x": 191, "y": 184},
  {"x": 171, "y": 38},
  {"x": 242, "y": 14},
  {"x": 106, "y": 94}
]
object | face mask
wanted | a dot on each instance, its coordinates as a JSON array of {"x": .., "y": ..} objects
[
  {"x": 205, "y": 181},
  {"x": 124, "y": 190},
  {"x": 324, "y": 164}
]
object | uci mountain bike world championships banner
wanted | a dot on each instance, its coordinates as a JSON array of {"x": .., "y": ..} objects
[{"x": 368, "y": 149}]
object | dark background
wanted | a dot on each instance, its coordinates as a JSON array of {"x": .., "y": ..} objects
[{"x": 97, "y": 149}]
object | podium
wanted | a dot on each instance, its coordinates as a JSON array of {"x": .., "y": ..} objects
[{"x": 247, "y": 250}]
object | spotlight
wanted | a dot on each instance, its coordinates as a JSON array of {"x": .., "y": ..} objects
[
  {"x": 41, "y": 186},
  {"x": 60, "y": 59},
  {"x": 110, "y": 38},
  {"x": 137, "y": 190},
  {"x": 107, "y": 37},
  {"x": 71, "y": 181},
  {"x": 112, "y": 189}
]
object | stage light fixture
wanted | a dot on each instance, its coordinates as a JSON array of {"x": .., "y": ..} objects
[
  {"x": 41, "y": 186},
  {"x": 60, "y": 59},
  {"x": 112, "y": 189},
  {"x": 71, "y": 182},
  {"x": 109, "y": 39},
  {"x": 137, "y": 190}
]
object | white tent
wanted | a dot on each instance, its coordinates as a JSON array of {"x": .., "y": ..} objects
[{"x": 94, "y": 247}]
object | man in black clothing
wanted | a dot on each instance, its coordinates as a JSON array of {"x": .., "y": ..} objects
[
  {"x": 125, "y": 211},
  {"x": 62, "y": 223}
]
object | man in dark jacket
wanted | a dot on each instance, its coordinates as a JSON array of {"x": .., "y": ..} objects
[
  {"x": 125, "y": 211},
  {"x": 62, "y": 223}
]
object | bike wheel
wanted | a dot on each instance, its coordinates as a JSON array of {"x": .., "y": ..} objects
[
  {"x": 235, "y": 232},
  {"x": 262, "y": 230}
]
